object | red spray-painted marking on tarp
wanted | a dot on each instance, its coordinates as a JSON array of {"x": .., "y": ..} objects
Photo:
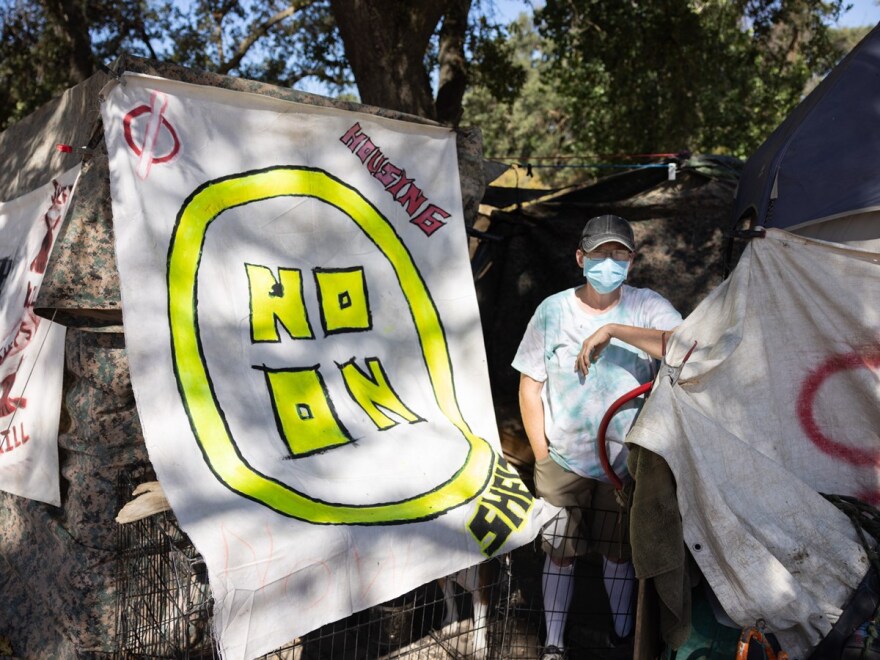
[{"x": 807, "y": 399}]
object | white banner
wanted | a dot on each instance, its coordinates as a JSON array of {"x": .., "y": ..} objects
[
  {"x": 31, "y": 348},
  {"x": 305, "y": 351}
]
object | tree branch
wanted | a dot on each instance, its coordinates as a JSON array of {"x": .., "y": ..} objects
[
  {"x": 145, "y": 38},
  {"x": 261, "y": 30}
]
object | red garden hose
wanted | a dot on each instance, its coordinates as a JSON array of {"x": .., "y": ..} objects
[{"x": 644, "y": 388}]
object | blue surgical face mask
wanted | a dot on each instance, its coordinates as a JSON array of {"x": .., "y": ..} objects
[{"x": 605, "y": 275}]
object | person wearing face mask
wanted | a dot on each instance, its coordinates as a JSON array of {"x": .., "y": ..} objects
[{"x": 567, "y": 383}]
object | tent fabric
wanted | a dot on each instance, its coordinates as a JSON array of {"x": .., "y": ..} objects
[
  {"x": 30, "y": 156},
  {"x": 860, "y": 231},
  {"x": 819, "y": 163},
  {"x": 777, "y": 404}
]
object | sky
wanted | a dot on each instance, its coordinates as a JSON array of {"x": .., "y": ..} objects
[{"x": 863, "y": 12}]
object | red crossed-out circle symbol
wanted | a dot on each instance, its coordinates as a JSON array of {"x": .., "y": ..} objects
[
  {"x": 156, "y": 121},
  {"x": 869, "y": 359}
]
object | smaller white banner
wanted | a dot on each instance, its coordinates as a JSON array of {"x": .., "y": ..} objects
[{"x": 31, "y": 348}]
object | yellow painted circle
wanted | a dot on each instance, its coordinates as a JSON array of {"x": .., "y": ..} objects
[{"x": 203, "y": 409}]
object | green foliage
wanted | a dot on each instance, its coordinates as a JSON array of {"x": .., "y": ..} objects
[
  {"x": 843, "y": 39},
  {"x": 271, "y": 40},
  {"x": 665, "y": 75},
  {"x": 268, "y": 40},
  {"x": 283, "y": 42},
  {"x": 34, "y": 61},
  {"x": 523, "y": 129},
  {"x": 494, "y": 65},
  {"x": 606, "y": 80},
  {"x": 595, "y": 80}
]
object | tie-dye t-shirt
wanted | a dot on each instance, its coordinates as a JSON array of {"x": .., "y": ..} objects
[{"x": 573, "y": 404}]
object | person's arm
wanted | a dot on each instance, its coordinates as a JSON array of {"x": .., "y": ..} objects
[
  {"x": 532, "y": 410},
  {"x": 648, "y": 340}
]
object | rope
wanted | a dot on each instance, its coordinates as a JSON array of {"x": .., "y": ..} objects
[
  {"x": 684, "y": 155},
  {"x": 866, "y": 519},
  {"x": 597, "y": 166}
]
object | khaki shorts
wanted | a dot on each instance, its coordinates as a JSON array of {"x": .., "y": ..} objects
[{"x": 592, "y": 521}]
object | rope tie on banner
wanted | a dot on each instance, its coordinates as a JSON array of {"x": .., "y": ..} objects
[
  {"x": 112, "y": 73},
  {"x": 88, "y": 149},
  {"x": 69, "y": 149}
]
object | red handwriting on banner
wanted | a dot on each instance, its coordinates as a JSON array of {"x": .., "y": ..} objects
[
  {"x": 426, "y": 216},
  {"x": 836, "y": 364},
  {"x": 52, "y": 218},
  {"x": 26, "y": 331},
  {"x": 9, "y": 404},
  {"x": 13, "y": 438}
]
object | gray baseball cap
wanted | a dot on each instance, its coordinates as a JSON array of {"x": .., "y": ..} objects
[{"x": 607, "y": 229}]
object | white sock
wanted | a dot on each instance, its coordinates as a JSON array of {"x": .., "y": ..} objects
[
  {"x": 620, "y": 581},
  {"x": 557, "y": 583}
]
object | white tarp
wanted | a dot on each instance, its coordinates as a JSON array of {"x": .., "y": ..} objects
[
  {"x": 779, "y": 402},
  {"x": 305, "y": 351},
  {"x": 31, "y": 348}
]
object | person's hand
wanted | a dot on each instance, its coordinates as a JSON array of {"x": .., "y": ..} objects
[{"x": 592, "y": 348}]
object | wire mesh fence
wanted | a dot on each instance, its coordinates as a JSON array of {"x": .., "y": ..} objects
[
  {"x": 492, "y": 611},
  {"x": 164, "y": 600}
]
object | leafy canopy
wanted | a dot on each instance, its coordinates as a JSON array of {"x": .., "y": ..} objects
[
  {"x": 665, "y": 75},
  {"x": 589, "y": 81},
  {"x": 49, "y": 45}
]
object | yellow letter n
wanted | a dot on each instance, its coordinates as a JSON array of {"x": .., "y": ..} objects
[
  {"x": 372, "y": 392},
  {"x": 277, "y": 301}
]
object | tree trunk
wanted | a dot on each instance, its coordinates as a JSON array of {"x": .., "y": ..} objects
[
  {"x": 453, "y": 63},
  {"x": 71, "y": 25},
  {"x": 385, "y": 43}
]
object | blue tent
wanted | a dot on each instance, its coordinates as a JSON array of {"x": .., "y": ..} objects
[{"x": 821, "y": 163}]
